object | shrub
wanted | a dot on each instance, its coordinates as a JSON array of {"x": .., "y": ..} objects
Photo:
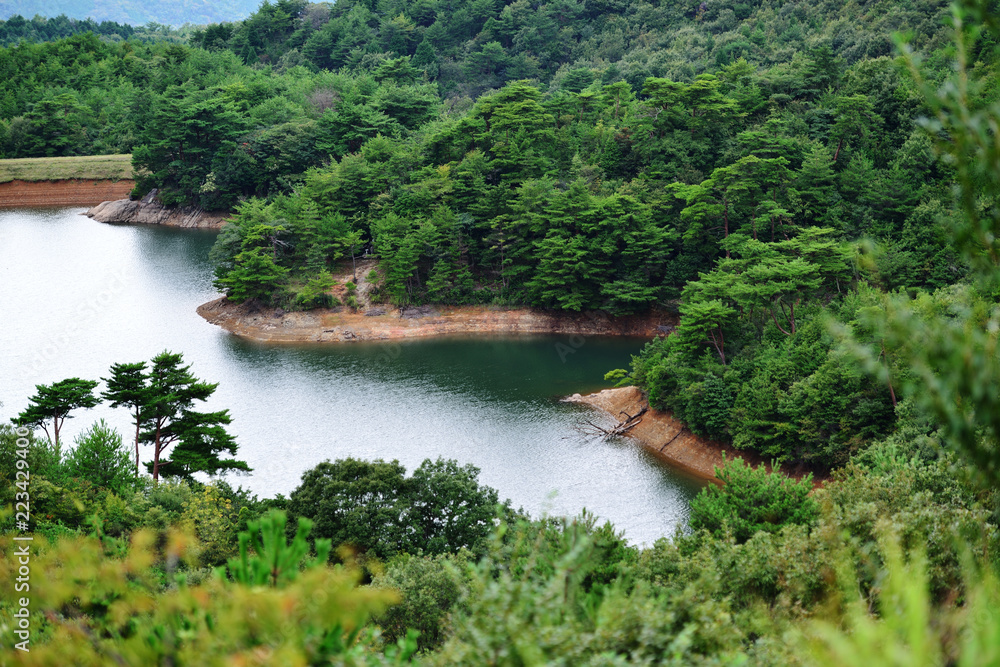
[
  {"x": 121, "y": 613},
  {"x": 752, "y": 500},
  {"x": 213, "y": 519},
  {"x": 542, "y": 613},
  {"x": 430, "y": 587},
  {"x": 101, "y": 458},
  {"x": 373, "y": 507}
]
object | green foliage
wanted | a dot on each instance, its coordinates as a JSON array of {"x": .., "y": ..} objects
[
  {"x": 275, "y": 562},
  {"x": 100, "y": 457},
  {"x": 41, "y": 29},
  {"x": 430, "y": 588},
  {"x": 787, "y": 396},
  {"x": 50, "y": 407},
  {"x": 316, "y": 292},
  {"x": 751, "y": 500},
  {"x": 950, "y": 339},
  {"x": 122, "y": 613},
  {"x": 909, "y": 629},
  {"x": 42, "y": 457},
  {"x": 449, "y": 509},
  {"x": 373, "y": 508},
  {"x": 535, "y": 609},
  {"x": 163, "y": 400}
]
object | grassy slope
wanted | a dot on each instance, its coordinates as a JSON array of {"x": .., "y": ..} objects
[{"x": 98, "y": 167}]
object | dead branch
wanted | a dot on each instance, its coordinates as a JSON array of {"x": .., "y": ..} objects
[{"x": 619, "y": 429}]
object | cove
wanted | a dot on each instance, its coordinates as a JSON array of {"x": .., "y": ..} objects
[{"x": 79, "y": 295}]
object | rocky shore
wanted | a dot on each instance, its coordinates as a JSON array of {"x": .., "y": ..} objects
[
  {"x": 149, "y": 211},
  {"x": 667, "y": 438},
  {"x": 384, "y": 323}
]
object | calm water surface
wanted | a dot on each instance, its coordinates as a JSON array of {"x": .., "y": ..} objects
[{"x": 79, "y": 295}]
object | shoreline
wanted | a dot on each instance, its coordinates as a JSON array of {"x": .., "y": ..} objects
[
  {"x": 148, "y": 211},
  {"x": 671, "y": 441},
  {"x": 19, "y": 193},
  {"x": 326, "y": 325}
]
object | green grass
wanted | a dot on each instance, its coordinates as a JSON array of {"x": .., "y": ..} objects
[{"x": 97, "y": 167}]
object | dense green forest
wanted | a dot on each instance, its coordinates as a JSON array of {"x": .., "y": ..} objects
[
  {"x": 131, "y": 12},
  {"x": 40, "y": 29},
  {"x": 817, "y": 204}
]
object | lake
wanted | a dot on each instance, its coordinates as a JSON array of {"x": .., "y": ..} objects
[{"x": 79, "y": 295}]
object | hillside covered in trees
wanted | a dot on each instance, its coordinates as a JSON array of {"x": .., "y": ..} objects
[
  {"x": 40, "y": 29},
  {"x": 817, "y": 203},
  {"x": 758, "y": 168}
]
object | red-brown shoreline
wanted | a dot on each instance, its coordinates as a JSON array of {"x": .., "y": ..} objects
[
  {"x": 669, "y": 440},
  {"x": 343, "y": 325},
  {"x": 68, "y": 192}
]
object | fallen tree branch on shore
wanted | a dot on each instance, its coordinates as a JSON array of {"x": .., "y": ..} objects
[{"x": 619, "y": 429}]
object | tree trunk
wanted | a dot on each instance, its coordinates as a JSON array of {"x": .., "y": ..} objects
[
  {"x": 719, "y": 345},
  {"x": 775, "y": 318},
  {"x": 725, "y": 221},
  {"x": 892, "y": 393},
  {"x": 137, "y": 441},
  {"x": 55, "y": 427},
  {"x": 156, "y": 454}
]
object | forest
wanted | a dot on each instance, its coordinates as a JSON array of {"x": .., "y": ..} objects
[
  {"x": 811, "y": 188},
  {"x": 40, "y": 29}
]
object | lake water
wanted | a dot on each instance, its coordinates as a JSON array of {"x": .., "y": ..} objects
[{"x": 79, "y": 295}]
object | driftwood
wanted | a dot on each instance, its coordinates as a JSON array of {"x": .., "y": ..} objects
[{"x": 619, "y": 429}]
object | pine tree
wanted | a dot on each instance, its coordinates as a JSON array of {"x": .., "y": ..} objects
[
  {"x": 53, "y": 403},
  {"x": 169, "y": 421}
]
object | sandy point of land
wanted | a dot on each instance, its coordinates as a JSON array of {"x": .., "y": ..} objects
[
  {"x": 667, "y": 438},
  {"x": 381, "y": 323}
]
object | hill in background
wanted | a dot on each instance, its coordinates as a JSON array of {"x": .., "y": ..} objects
[{"x": 133, "y": 12}]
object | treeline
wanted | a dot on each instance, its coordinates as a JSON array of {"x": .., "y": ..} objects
[
  {"x": 614, "y": 198},
  {"x": 41, "y": 29},
  {"x": 472, "y": 46}
]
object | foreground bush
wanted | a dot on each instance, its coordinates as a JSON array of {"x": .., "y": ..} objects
[
  {"x": 93, "y": 608},
  {"x": 752, "y": 500}
]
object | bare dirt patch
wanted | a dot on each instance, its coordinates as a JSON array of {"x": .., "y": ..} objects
[{"x": 77, "y": 192}]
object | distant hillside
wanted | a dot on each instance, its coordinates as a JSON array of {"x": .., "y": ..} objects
[
  {"x": 40, "y": 29},
  {"x": 133, "y": 12}
]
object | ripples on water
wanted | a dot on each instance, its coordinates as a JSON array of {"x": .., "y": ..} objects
[{"x": 80, "y": 295}]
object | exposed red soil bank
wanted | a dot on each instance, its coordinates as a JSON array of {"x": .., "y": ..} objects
[
  {"x": 326, "y": 325},
  {"x": 668, "y": 438},
  {"x": 73, "y": 192}
]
